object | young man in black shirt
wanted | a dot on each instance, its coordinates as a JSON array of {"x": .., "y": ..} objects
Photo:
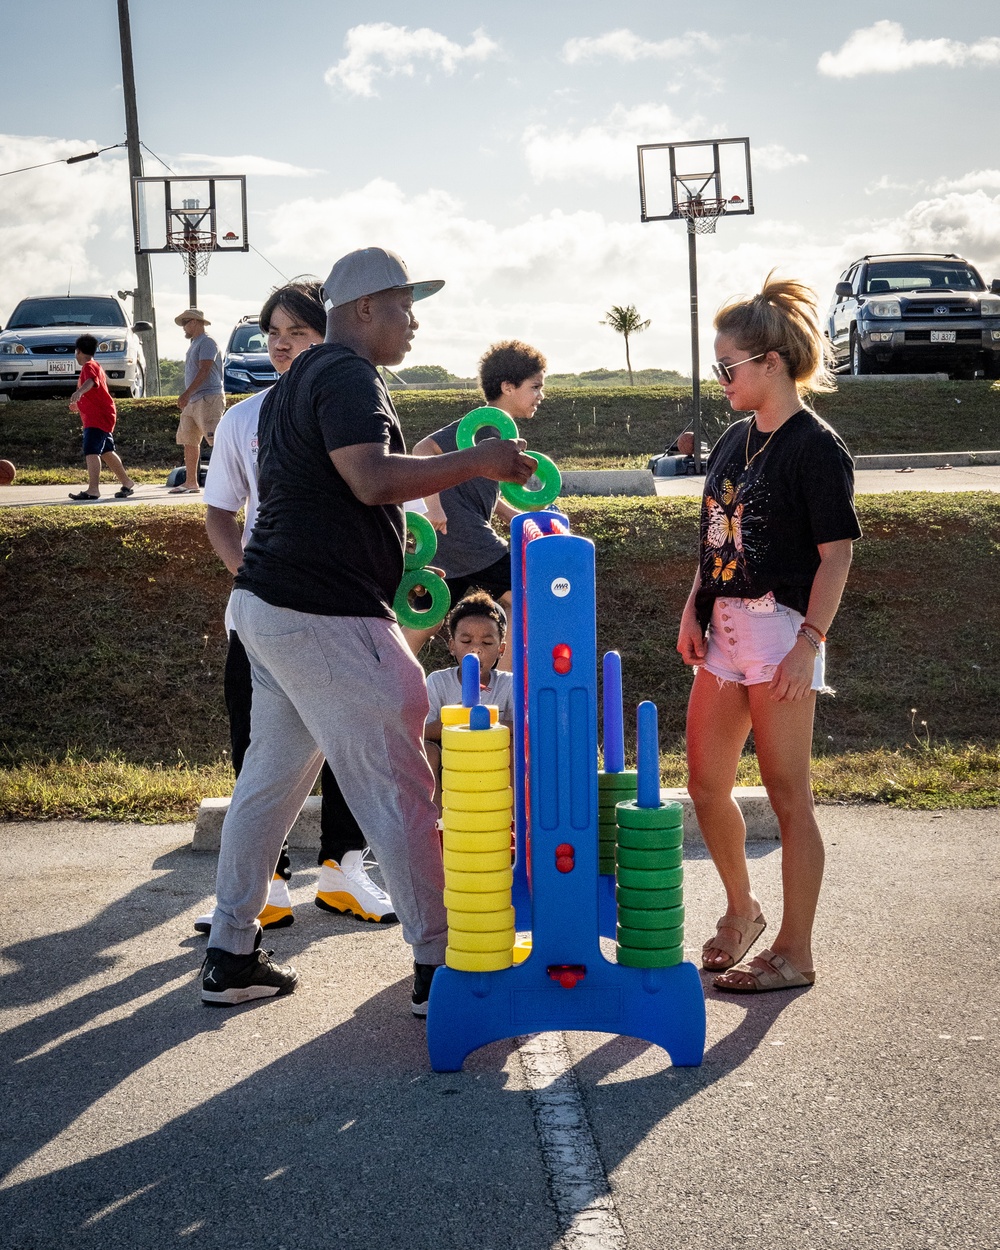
[{"x": 312, "y": 603}]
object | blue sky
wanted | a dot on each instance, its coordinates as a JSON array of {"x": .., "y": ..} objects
[{"x": 494, "y": 146}]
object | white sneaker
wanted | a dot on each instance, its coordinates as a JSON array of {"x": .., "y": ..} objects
[
  {"x": 346, "y": 887},
  {"x": 277, "y": 913}
]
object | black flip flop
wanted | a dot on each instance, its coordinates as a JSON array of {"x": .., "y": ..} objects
[{"x": 83, "y": 497}]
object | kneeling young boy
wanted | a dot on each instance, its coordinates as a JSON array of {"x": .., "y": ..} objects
[{"x": 476, "y": 626}]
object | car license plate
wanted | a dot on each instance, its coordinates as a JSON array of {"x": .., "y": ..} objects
[
  {"x": 942, "y": 336},
  {"x": 62, "y": 368}
]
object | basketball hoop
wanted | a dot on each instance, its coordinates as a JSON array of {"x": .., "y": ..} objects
[
  {"x": 702, "y": 214},
  {"x": 195, "y": 248}
]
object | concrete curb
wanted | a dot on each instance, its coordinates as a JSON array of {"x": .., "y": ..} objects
[
  {"x": 928, "y": 460},
  {"x": 608, "y": 482},
  {"x": 762, "y": 824}
]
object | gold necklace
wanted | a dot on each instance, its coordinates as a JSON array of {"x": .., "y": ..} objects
[{"x": 747, "y": 458}]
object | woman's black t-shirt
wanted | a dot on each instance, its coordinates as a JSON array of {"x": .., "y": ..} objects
[
  {"x": 315, "y": 546},
  {"x": 761, "y": 523}
]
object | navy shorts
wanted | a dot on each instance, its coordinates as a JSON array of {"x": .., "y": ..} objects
[
  {"x": 495, "y": 580},
  {"x": 96, "y": 442}
]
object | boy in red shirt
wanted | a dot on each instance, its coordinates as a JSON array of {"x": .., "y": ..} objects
[{"x": 93, "y": 401}]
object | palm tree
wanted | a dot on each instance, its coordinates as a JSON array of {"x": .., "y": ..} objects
[{"x": 625, "y": 321}]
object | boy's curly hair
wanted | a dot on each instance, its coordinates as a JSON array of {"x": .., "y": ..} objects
[
  {"x": 477, "y": 603},
  {"x": 509, "y": 361}
]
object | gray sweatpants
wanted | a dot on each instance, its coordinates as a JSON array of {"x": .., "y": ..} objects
[{"x": 348, "y": 689}]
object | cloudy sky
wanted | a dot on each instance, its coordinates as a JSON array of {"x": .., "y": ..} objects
[{"x": 494, "y": 145}]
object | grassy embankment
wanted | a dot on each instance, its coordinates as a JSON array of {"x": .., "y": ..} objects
[
  {"x": 112, "y": 645},
  {"x": 603, "y": 428}
]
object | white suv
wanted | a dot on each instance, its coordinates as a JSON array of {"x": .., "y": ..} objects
[{"x": 37, "y": 346}]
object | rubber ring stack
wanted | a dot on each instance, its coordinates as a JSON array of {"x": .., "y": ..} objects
[
  {"x": 478, "y": 804},
  {"x": 612, "y": 789},
  {"x": 649, "y": 890}
]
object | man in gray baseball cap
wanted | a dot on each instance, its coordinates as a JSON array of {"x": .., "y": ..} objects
[
  {"x": 312, "y": 604},
  {"x": 368, "y": 270}
]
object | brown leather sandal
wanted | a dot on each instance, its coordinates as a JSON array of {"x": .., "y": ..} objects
[
  {"x": 768, "y": 972},
  {"x": 749, "y": 931}
]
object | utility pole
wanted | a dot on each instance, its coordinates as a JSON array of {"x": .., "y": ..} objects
[{"x": 142, "y": 306}]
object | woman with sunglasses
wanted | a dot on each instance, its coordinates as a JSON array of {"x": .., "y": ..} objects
[{"x": 777, "y": 530}]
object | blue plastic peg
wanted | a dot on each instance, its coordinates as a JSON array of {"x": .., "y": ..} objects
[
  {"x": 479, "y": 716},
  {"x": 649, "y": 755},
  {"x": 470, "y": 681},
  {"x": 614, "y": 729}
]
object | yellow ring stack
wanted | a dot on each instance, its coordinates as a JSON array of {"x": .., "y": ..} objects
[{"x": 478, "y": 805}]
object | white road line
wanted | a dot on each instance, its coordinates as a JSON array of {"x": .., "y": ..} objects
[{"x": 577, "y": 1181}]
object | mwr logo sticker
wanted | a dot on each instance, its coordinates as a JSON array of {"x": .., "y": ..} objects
[{"x": 560, "y": 587}]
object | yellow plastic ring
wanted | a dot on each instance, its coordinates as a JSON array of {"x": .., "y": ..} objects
[
  {"x": 500, "y": 940},
  {"x": 480, "y": 882},
  {"x": 455, "y": 714},
  {"x": 476, "y": 761},
  {"x": 425, "y": 541},
  {"x": 463, "y": 900},
  {"x": 465, "y": 842},
  {"x": 475, "y": 783},
  {"x": 478, "y": 801},
  {"x": 481, "y": 921},
  {"x": 475, "y": 822},
  {"x": 476, "y": 861},
  {"x": 463, "y": 740},
  {"x": 478, "y": 961}
]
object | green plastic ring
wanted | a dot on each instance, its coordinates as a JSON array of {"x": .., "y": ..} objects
[
  {"x": 408, "y": 615},
  {"x": 632, "y": 958},
  {"x": 626, "y": 780},
  {"x": 647, "y": 878},
  {"x": 533, "y": 500},
  {"x": 658, "y": 918},
  {"x": 669, "y": 815},
  {"x": 644, "y": 900},
  {"x": 483, "y": 418},
  {"x": 650, "y": 939},
  {"x": 661, "y": 858},
  {"x": 425, "y": 541}
]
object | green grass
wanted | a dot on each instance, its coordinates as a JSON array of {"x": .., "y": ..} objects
[
  {"x": 600, "y": 427},
  {"x": 112, "y": 648}
]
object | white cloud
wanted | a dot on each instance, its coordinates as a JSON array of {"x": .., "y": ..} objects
[
  {"x": 48, "y": 217},
  {"x": 772, "y": 157},
  {"x": 623, "y": 45},
  {"x": 603, "y": 150},
  {"x": 884, "y": 49},
  {"x": 547, "y": 278},
  {"x": 381, "y": 48},
  {"x": 262, "y": 166},
  {"x": 982, "y": 178},
  {"x": 967, "y": 223}
]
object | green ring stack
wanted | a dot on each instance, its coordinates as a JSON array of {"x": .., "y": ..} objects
[
  {"x": 649, "y": 888},
  {"x": 612, "y": 789}
]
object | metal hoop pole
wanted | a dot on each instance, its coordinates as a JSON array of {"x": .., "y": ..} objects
[{"x": 695, "y": 355}]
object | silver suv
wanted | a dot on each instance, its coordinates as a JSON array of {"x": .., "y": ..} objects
[
  {"x": 37, "y": 345},
  {"x": 908, "y": 313}
]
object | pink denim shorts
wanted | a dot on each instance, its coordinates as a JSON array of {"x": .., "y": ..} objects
[{"x": 748, "y": 639}]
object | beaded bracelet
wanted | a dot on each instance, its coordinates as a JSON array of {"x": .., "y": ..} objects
[
  {"x": 818, "y": 632},
  {"x": 809, "y": 638}
]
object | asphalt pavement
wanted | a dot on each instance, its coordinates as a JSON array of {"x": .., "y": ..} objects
[{"x": 860, "y": 1113}]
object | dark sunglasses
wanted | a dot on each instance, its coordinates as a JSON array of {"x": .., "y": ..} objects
[{"x": 723, "y": 373}]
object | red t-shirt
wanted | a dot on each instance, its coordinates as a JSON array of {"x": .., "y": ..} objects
[{"x": 97, "y": 407}]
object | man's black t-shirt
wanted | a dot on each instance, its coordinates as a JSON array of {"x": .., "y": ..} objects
[
  {"x": 761, "y": 525},
  {"x": 315, "y": 546}
]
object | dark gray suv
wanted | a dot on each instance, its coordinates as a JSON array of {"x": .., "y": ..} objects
[{"x": 915, "y": 313}]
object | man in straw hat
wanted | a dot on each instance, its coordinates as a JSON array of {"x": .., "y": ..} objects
[
  {"x": 312, "y": 604},
  {"x": 203, "y": 400}
]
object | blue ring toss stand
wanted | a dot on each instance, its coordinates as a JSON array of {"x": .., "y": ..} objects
[{"x": 565, "y": 983}]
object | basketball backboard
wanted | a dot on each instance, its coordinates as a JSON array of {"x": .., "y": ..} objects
[
  {"x": 214, "y": 208},
  {"x": 676, "y": 178}
]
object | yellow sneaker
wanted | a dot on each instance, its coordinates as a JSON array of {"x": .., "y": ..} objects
[{"x": 347, "y": 888}]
